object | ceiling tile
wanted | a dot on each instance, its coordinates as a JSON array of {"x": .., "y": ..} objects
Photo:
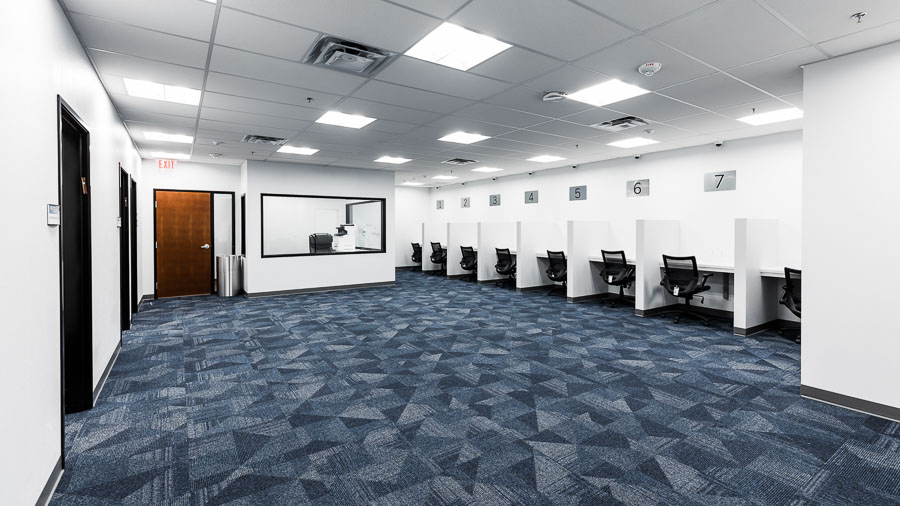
[
  {"x": 139, "y": 116},
  {"x": 568, "y": 79},
  {"x": 558, "y": 28},
  {"x": 120, "y": 65},
  {"x": 862, "y": 40},
  {"x": 242, "y": 104},
  {"x": 622, "y": 60},
  {"x": 370, "y": 22},
  {"x": 253, "y": 119},
  {"x": 224, "y": 126},
  {"x": 386, "y": 111},
  {"x": 707, "y": 123},
  {"x": 762, "y": 106},
  {"x": 780, "y": 75},
  {"x": 500, "y": 115},
  {"x": 242, "y": 63},
  {"x": 98, "y": 33},
  {"x": 714, "y": 92},
  {"x": 525, "y": 99},
  {"x": 438, "y": 8},
  {"x": 644, "y": 14},
  {"x": 394, "y": 94},
  {"x": 253, "y": 33},
  {"x": 593, "y": 116},
  {"x": 532, "y": 137},
  {"x": 654, "y": 107},
  {"x": 123, "y": 101},
  {"x": 395, "y": 127},
  {"x": 430, "y": 76},
  {"x": 252, "y": 88},
  {"x": 451, "y": 124},
  {"x": 515, "y": 65},
  {"x": 516, "y": 146},
  {"x": 729, "y": 33},
  {"x": 177, "y": 17},
  {"x": 832, "y": 19},
  {"x": 566, "y": 129},
  {"x": 206, "y": 136}
]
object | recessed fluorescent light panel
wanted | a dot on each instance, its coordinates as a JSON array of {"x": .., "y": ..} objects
[
  {"x": 463, "y": 138},
  {"x": 772, "y": 116},
  {"x": 297, "y": 151},
  {"x": 393, "y": 159},
  {"x": 455, "y": 47},
  {"x": 546, "y": 158},
  {"x": 607, "y": 92},
  {"x": 634, "y": 142},
  {"x": 159, "y": 136},
  {"x": 486, "y": 169},
  {"x": 157, "y": 91},
  {"x": 169, "y": 156},
  {"x": 442, "y": 176},
  {"x": 412, "y": 183},
  {"x": 344, "y": 120}
]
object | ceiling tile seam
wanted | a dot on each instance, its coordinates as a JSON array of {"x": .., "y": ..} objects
[
  {"x": 209, "y": 52},
  {"x": 455, "y": 12},
  {"x": 119, "y": 53},
  {"x": 772, "y": 12},
  {"x": 132, "y": 25},
  {"x": 638, "y": 31},
  {"x": 258, "y": 113}
]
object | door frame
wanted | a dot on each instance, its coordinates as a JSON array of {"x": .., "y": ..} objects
[
  {"x": 63, "y": 109},
  {"x": 124, "y": 252},
  {"x": 212, "y": 229},
  {"x": 135, "y": 301}
]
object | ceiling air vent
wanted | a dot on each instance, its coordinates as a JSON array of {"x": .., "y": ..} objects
[
  {"x": 617, "y": 125},
  {"x": 262, "y": 139},
  {"x": 459, "y": 161},
  {"x": 348, "y": 56}
]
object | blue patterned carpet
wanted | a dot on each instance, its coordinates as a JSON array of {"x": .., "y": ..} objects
[{"x": 437, "y": 391}]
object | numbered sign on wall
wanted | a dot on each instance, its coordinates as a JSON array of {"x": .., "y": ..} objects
[
  {"x": 720, "y": 181},
  {"x": 531, "y": 197},
  {"x": 465, "y": 202},
  {"x": 495, "y": 200},
  {"x": 637, "y": 188},
  {"x": 440, "y": 204},
  {"x": 578, "y": 193}
]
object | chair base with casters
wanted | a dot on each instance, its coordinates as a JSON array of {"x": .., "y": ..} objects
[
  {"x": 783, "y": 330},
  {"x": 686, "y": 312},
  {"x": 791, "y": 298},
  {"x": 556, "y": 288},
  {"x": 506, "y": 281},
  {"x": 619, "y": 299}
]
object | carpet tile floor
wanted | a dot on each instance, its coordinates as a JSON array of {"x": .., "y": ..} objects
[{"x": 436, "y": 391}]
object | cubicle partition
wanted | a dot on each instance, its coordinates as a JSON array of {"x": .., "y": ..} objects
[
  {"x": 432, "y": 232},
  {"x": 459, "y": 234},
  {"x": 654, "y": 238},
  {"x": 535, "y": 238},
  {"x": 585, "y": 239},
  {"x": 490, "y": 237}
]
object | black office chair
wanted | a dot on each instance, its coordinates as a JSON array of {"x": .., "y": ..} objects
[
  {"x": 506, "y": 266},
  {"x": 469, "y": 261},
  {"x": 681, "y": 279},
  {"x": 617, "y": 272},
  {"x": 557, "y": 270},
  {"x": 439, "y": 256},
  {"x": 320, "y": 243},
  {"x": 417, "y": 253},
  {"x": 791, "y": 297}
]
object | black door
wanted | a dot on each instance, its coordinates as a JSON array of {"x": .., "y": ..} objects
[
  {"x": 135, "y": 300},
  {"x": 124, "y": 253},
  {"x": 75, "y": 261}
]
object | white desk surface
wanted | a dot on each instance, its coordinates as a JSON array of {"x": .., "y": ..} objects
[
  {"x": 629, "y": 261},
  {"x": 724, "y": 269},
  {"x": 511, "y": 252},
  {"x": 772, "y": 272},
  {"x": 544, "y": 255}
]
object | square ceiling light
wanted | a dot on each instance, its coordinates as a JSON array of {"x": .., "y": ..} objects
[
  {"x": 607, "y": 92},
  {"x": 772, "y": 116},
  {"x": 297, "y": 151},
  {"x": 344, "y": 120},
  {"x": 634, "y": 142},
  {"x": 546, "y": 158},
  {"x": 397, "y": 160},
  {"x": 487, "y": 169},
  {"x": 412, "y": 183},
  {"x": 157, "y": 91},
  {"x": 444, "y": 177},
  {"x": 170, "y": 156},
  {"x": 163, "y": 137},
  {"x": 455, "y": 47},
  {"x": 463, "y": 137}
]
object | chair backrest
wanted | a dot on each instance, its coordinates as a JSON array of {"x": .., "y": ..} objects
[
  {"x": 792, "y": 283},
  {"x": 681, "y": 270},
  {"x": 468, "y": 252},
  {"x": 614, "y": 262},
  {"x": 417, "y": 248},
  {"x": 557, "y": 260},
  {"x": 320, "y": 243},
  {"x": 504, "y": 257},
  {"x": 436, "y": 246}
]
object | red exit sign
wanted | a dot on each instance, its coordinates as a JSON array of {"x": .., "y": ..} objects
[{"x": 167, "y": 164}]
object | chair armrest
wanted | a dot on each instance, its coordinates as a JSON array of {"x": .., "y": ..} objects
[{"x": 704, "y": 278}]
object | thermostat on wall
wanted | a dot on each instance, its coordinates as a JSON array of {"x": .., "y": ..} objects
[{"x": 53, "y": 215}]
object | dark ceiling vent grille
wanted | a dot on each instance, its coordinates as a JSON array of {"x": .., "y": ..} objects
[
  {"x": 348, "y": 56},
  {"x": 263, "y": 139},
  {"x": 460, "y": 161},
  {"x": 617, "y": 125}
]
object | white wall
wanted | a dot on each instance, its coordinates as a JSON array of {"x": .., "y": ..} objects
[
  {"x": 411, "y": 204},
  {"x": 43, "y": 59},
  {"x": 185, "y": 176},
  {"x": 297, "y": 273},
  {"x": 850, "y": 225}
]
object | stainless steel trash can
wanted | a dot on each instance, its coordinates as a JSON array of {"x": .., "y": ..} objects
[{"x": 228, "y": 275}]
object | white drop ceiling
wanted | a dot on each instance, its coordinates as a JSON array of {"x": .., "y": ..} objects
[{"x": 721, "y": 59}]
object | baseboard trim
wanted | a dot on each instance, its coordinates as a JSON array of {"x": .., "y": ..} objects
[
  {"x": 408, "y": 268},
  {"x": 585, "y": 298},
  {"x": 105, "y": 375},
  {"x": 714, "y": 313},
  {"x": 458, "y": 276},
  {"x": 318, "y": 289},
  {"x": 534, "y": 288},
  {"x": 852, "y": 403},
  {"x": 756, "y": 329},
  {"x": 52, "y": 482}
]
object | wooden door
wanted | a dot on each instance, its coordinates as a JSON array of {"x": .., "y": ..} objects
[{"x": 183, "y": 243}]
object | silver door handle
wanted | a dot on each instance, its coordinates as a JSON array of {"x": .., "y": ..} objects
[{"x": 205, "y": 246}]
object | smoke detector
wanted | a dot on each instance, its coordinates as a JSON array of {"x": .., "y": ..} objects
[
  {"x": 650, "y": 68},
  {"x": 554, "y": 96}
]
